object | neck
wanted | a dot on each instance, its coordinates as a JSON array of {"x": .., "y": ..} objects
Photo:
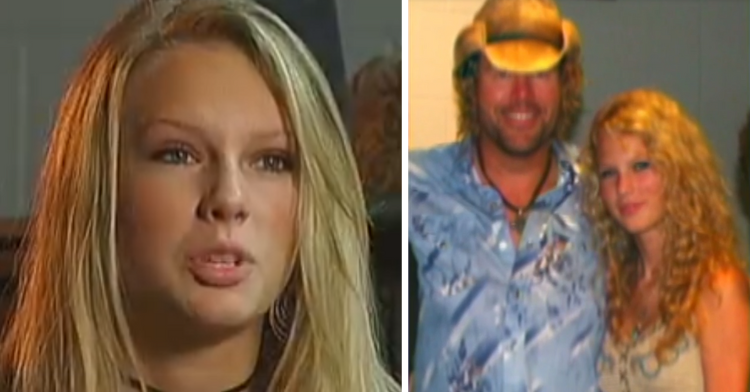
[
  {"x": 650, "y": 245},
  {"x": 515, "y": 177},
  {"x": 176, "y": 359}
]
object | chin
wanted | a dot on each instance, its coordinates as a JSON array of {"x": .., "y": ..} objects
[
  {"x": 638, "y": 225},
  {"x": 522, "y": 146},
  {"x": 225, "y": 309}
]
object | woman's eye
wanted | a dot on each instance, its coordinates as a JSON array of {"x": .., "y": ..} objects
[
  {"x": 175, "y": 156},
  {"x": 640, "y": 166},
  {"x": 275, "y": 163}
]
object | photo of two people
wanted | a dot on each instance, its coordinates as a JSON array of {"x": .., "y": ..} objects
[{"x": 243, "y": 196}]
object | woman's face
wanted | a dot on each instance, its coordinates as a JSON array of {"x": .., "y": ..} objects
[
  {"x": 630, "y": 186},
  {"x": 207, "y": 200}
]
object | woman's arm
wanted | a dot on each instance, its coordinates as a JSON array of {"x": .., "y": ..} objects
[{"x": 724, "y": 321}]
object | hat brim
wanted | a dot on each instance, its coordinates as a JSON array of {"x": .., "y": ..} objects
[{"x": 523, "y": 55}]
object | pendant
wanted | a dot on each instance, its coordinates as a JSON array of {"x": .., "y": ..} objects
[{"x": 519, "y": 223}]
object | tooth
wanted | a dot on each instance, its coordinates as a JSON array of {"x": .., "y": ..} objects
[
  {"x": 521, "y": 116},
  {"x": 222, "y": 259}
]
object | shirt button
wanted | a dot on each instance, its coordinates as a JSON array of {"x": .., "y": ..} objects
[{"x": 503, "y": 245}]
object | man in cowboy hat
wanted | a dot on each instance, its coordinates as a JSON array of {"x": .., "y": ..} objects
[{"x": 509, "y": 294}]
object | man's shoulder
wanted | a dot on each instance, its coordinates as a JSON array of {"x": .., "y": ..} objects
[
  {"x": 430, "y": 166},
  {"x": 432, "y": 156},
  {"x": 437, "y": 180}
]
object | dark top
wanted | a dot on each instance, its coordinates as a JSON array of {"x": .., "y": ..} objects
[{"x": 385, "y": 252}]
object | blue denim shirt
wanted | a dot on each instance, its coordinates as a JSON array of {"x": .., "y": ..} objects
[{"x": 494, "y": 317}]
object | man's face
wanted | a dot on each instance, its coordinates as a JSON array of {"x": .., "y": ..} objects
[{"x": 517, "y": 112}]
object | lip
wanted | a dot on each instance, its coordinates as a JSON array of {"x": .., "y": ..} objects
[
  {"x": 221, "y": 265},
  {"x": 628, "y": 209}
]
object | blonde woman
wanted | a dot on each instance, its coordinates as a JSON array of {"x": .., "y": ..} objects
[
  {"x": 199, "y": 224},
  {"x": 677, "y": 289}
]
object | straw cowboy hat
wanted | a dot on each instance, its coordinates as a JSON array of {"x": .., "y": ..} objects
[{"x": 522, "y": 36}]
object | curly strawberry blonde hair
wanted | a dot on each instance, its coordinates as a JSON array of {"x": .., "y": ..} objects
[
  {"x": 700, "y": 235},
  {"x": 376, "y": 101}
]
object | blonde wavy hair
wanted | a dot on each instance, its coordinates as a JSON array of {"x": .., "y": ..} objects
[
  {"x": 571, "y": 79},
  {"x": 376, "y": 101},
  {"x": 700, "y": 233},
  {"x": 69, "y": 332}
]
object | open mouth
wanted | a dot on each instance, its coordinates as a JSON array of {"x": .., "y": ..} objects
[
  {"x": 521, "y": 118},
  {"x": 226, "y": 260},
  {"x": 219, "y": 270}
]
